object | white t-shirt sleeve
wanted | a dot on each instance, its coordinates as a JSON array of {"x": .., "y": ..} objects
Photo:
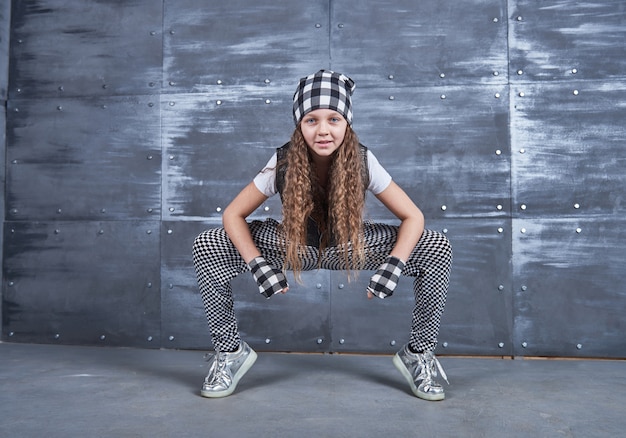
[
  {"x": 265, "y": 180},
  {"x": 379, "y": 177}
]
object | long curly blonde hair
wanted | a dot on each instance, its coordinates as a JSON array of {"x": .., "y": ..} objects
[{"x": 337, "y": 210}]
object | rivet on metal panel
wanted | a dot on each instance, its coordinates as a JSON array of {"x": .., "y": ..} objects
[
  {"x": 579, "y": 346},
  {"x": 171, "y": 157},
  {"x": 267, "y": 80},
  {"x": 524, "y": 288},
  {"x": 519, "y": 18},
  {"x": 500, "y": 230},
  {"x": 501, "y": 287},
  {"x": 172, "y": 103},
  {"x": 148, "y": 231},
  {"x": 171, "y": 338},
  {"x": 172, "y": 32},
  {"x": 153, "y": 33},
  {"x": 520, "y": 72},
  {"x": 318, "y": 25},
  {"x": 443, "y": 96},
  {"x": 171, "y": 209},
  {"x": 523, "y": 230},
  {"x": 150, "y": 104},
  {"x": 171, "y": 83},
  {"x": 14, "y": 211},
  {"x": 501, "y": 345},
  {"x": 524, "y": 344},
  {"x": 340, "y": 25},
  {"x": 219, "y": 82},
  {"x": 104, "y": 107},
  {"x": 59, "y": 108},
  {"x": 57, "y": 231},
  {"x": 103, "y": 210},
  {"x": 102, "y": 337},
  {"x": 11, "y": 283},
  {"x": 579, "y": 230},
  {"x": 497, "y": 95},
  {"x": 219, "y": 102},
  {"x": 266, "y": 208},
  {"x": 577, "y": 205},
  {"x": 496, "y": 73},
  {"x": 444, "y": 208},
  {"x": 11, "y": 333},
  {"x": 522, "y": 207},
  {"x": 522, "y": 151},
  {"x": 170, "y": 286},
  {"x": 392, "y": 98},
  {"x": 59, "y": 211},
  {"x": 574, "y": 71},
  {"x": 498, "y": 152},
  {"x": 342, "y": 341},
  {"x": 61, "y": 88},
  {"x": 444, "y": 231},
  {"x": 218, "y": 209},
  {"x": 390, "y": 77},
  {"x": 149, "y": 157},
  {"x": 442, "y": 75},
  {"x": 268, "y": 101},
  {"x": 320, "y": 340},
  {"x": 149, "y": 338},
  {"x": 105, "y": 86},
  {"x": 393, "y": 342},
  {"x": 499, "y": 207},
  {"x": 149, "y": 285},
  {"x": 57, "y": 336},
  {"x": 149, "y": 210},
  {"x": 151, "y": 84},
  {"x": 14, "y": 161},
  {"x": 318, "y": 286},
  {"x": 444, "y": 345},
  {"x": 522, "y": 94},
  {"x": 19, "y": 90},
  {"x": 17, "y": 110},
  {"x": 341, "y": 286},
  {"x": 575, "y": 92},
  {"x": 268, "y": 340},
  {"x": 100, "y": 232},
  {"x": 169, "y": 231}
]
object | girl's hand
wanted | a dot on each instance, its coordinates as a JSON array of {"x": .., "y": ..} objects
[{"x": 269, "y": 279}]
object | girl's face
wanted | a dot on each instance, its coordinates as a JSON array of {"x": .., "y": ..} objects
[{"x": 323, "y": 131}]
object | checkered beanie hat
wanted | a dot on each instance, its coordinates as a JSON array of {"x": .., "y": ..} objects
[{"x": 324, "y": 89}]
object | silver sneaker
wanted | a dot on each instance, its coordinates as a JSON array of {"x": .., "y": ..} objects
[
  {"x": 225, "y": 371},
  {"x": 419, "y": 369}
]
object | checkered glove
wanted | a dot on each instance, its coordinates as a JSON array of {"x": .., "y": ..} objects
[
  {"x": 269, "y": 279},
  {"x": 384, "y": 281}
]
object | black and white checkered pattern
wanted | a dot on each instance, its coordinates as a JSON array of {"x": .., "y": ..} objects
[
  {"x": 324, "y": 89},
  {"x": 384, "y": 281},
  {"x": 217, "y": 262},
  {"x": 269, "y": 279}
]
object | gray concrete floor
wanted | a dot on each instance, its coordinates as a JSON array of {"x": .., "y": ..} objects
[{"x": 65, "y": 391}]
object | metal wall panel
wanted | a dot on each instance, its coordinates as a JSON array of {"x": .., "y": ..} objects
[
  {"x": 568, "y": 148},
  {"x": 477, "y": 318},
  {"x": 93, "y": 283},
  {"x": 409, "y": 43},
  {"x": 214, "y": 144},
  {"x": 84, "y": 158},
  {"x": 423, "y": 136},
  {"x": 85, "y": 48},
  {"x": 570, "y": 291},
  {"x": 260, "y": 43},
  {"x": 5, "y": 26},
  {"x": 556, "y": 40}
]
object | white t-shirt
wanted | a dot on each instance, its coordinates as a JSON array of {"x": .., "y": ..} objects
[{"x": 380, "y": 179}]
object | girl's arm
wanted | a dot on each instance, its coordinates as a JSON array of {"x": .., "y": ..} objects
[
  {"x": 234, "y": 220},
  {"x": 411, "y": 217}
]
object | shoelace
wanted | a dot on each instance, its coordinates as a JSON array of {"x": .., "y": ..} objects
[
  {"x": 440, "y": 369},
  {"x": 216, "y": 372}
]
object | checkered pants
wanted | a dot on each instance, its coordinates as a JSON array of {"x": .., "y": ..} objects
[{"x": 217, "y": 262}]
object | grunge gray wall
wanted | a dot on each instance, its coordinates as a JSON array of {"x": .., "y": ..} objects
[{"x": 131, "y": 124}]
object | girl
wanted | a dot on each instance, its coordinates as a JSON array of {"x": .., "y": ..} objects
[{"x": 322, "y": 175}]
